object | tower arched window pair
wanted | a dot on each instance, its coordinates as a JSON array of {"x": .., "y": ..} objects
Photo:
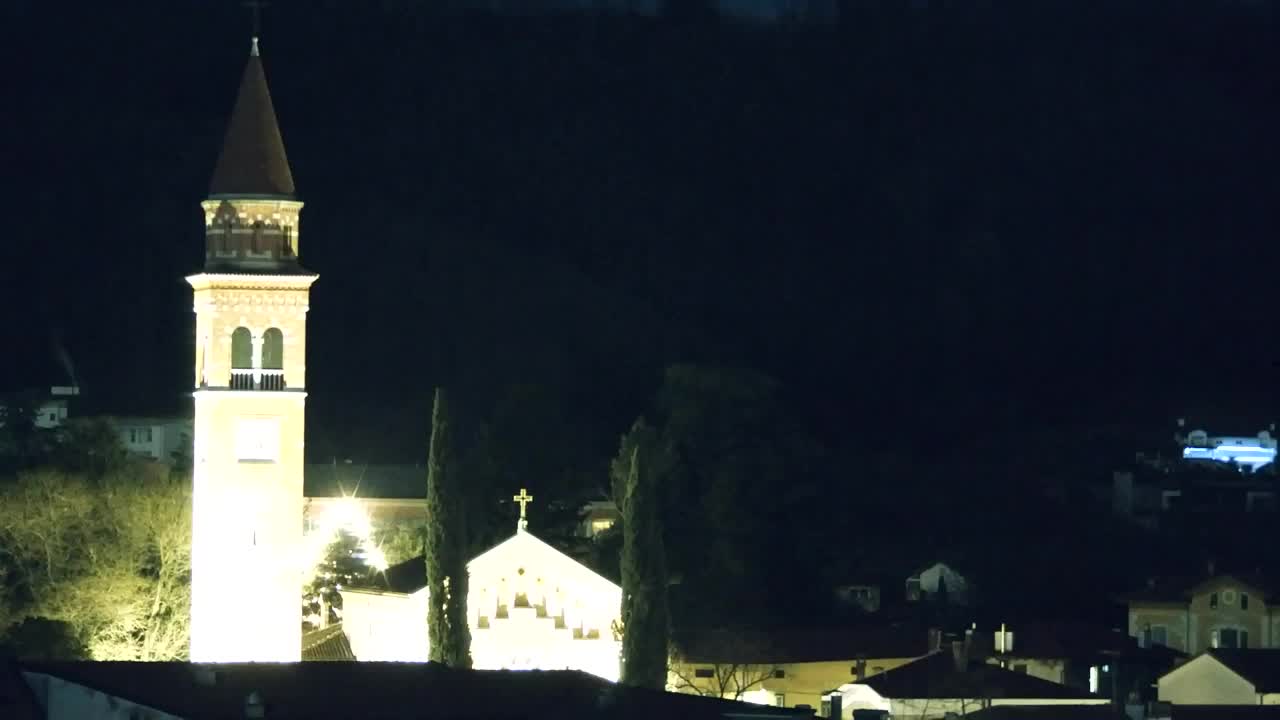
[{"x": 268, "y": 373}]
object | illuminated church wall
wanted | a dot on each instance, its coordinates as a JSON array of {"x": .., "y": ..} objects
[{"x": 529, "y": 607}]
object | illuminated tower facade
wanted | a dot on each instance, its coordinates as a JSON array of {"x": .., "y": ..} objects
[{"x": 250, "y": 366}]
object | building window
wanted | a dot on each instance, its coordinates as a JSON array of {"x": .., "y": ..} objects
[
  {"x": 273, "y": 349},
  {"x": 1244, "y": 601},
  {"x": 1213, "y": 601},
  {"x": 1228, "y": 597},
  {"x": 779, "y": 673},
  {"x": 139, "y": 435},
  {"x": 242, "y": 349},
  {"x": 704, "y": 673},
  {"x": 1230, "y": 638},
  {"x": 780, "y": 699},
  {"x": 1020, "y": 668},
  {"x": 1159, "y": 635}
]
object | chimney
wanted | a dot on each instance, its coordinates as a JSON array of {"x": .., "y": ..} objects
[
  {"x": 935, "y": 639},
  {"x": 836, "y": 701},
  {"x": 960, "y": 655}
]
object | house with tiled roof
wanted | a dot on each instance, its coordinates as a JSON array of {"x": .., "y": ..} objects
[
  {"x": 790, "y": 666},
  {"x": 1225, "y": 677},
  {"x": 950, "y": 681},
  {"x": 367, "y": 691},
  {"x": 1049, "y": 712},
  {"x": 1223, "y": 611}
]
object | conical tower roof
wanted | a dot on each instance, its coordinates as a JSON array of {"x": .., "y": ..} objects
[{"x": 253, "y": 160}]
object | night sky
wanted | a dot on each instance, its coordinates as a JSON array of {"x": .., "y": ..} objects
[{"x": 930, "y": 224}]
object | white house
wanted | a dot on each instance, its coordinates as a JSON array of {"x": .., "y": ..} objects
[
  {"x": 157, "y": 438},
  {"x": 1225, "y": 677},
  {"x": 48, "y": 411}
]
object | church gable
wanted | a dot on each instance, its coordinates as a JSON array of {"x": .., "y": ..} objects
[{"x": 529, "y": 606}]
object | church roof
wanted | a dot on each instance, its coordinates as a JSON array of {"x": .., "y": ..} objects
[
  {"x": 327, "y": 644},
  {"x": 253, "y": 160}
]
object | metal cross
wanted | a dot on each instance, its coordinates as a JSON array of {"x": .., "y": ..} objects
[
  {"x": 255, "y": 7},
  {"x": 524, "y": 498}
]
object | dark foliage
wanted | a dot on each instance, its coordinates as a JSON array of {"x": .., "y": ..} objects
[{"x": 449, "y": 635}]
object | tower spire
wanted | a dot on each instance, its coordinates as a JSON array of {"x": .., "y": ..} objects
[{"x": 253, "y": 161}]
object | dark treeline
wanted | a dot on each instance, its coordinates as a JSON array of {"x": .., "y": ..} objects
[{"x": 935, "y": 227}]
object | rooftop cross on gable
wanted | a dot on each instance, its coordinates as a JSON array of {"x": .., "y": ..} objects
[{"x": 524, "y": 498}]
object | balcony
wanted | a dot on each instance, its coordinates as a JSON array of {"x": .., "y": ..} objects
[{"x": 256, "y": 379}]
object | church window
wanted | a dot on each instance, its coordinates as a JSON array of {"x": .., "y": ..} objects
[
  {"x": 704, "y": 673},
  {"x": 242, "y": 348},
  {"x": 273, "y": 349}
]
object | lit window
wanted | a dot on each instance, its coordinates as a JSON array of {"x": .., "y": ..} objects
[{"x": 599, "y": 526}]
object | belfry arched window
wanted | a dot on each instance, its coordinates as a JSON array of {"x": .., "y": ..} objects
[
  {"x": 242, "y": 359},
  {"x": 242, "y": 349},
  {"x": 273, "y": 349}
]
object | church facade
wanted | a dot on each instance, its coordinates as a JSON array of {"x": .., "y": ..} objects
[
  {"x": 251, "y": 303},
  {"x": 529, "y": 607}
]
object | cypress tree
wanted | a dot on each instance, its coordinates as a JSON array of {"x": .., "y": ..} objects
[
  {"x": 645, "y": 618},
  {"x": 447, "y": 629}
]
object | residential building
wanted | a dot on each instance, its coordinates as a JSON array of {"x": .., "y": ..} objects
[
  {"x": 791, "y": 667},
  {"x": 940, "y": 583},
  {"x": 949, "y": 681},
  {"x": 167, "y": 439},
  {"x": 598, "y": 516},
  {"x": 49, "y": 410},
  {"x": 1221, "y": 612},
  {"x": 1225, "y": 677}
]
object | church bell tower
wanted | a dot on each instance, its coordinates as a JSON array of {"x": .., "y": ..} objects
[{"x": 250, "y": 366}]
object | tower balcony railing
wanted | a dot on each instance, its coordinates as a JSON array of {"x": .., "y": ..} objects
[{"x": 256, "y": 379}]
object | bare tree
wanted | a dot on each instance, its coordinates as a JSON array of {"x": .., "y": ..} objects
[
  {"x": 737, "y": 670},
  {"x": 110, "y": 558}
]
